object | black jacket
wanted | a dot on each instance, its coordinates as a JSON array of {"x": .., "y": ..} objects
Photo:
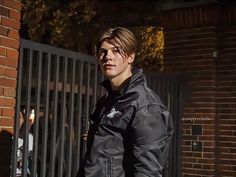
[{"x": 130, "y": 133}]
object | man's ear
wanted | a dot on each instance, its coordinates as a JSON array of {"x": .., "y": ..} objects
[{"x": 131, "y": 58}]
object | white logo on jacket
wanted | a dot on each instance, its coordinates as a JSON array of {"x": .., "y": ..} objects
[{"x": 113, "y": 113}]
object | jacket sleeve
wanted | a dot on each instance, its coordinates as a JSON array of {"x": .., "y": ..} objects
[{"x": 152, "y": 134}]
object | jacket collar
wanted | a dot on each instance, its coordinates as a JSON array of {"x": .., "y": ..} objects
[{"x": 137, "y": 78}]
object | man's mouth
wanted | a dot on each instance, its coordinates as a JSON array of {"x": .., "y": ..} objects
[{"x": 108, "y": 66}]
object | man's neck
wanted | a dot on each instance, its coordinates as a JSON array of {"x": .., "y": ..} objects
[{"x": 118, "y": 82}]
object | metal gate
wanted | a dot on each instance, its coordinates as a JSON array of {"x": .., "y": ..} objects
[
  {"x": 56, "y": 92},
  {"x": 170, "y": 89}
]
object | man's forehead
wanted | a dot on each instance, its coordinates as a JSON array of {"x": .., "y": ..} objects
[{"x": 109, "y": 45}]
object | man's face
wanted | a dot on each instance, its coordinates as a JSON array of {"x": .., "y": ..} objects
[{"x": 113, "y": 61}]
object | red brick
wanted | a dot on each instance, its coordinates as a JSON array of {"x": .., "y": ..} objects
[
  {"x": 228, "y": 138},
  {"x": 229, "y": 161},
  {"x": 12, "y": 62},
  {"x": 1, "y": 91},
  {"x": 209, "y": 149},
  {"x": 199, "y": 110},
  {"x": 194, "y": 99},
  {"x": 7, "y": 102},
  {"x": 208, "y": 127},
  {"x": 12, "y": 43},
  {"x": 8, "y": 62},
  {"x": 4, "y": 11},
  {"x": 208, "y": 155},
  {"x": 187, "y": 165},
  {"x": 7, "y": 112},
  {"x": 2, "y": 51},
  {"x": 187, "y": 154},
  {"x": 2, "y": 60},
  {"x": 10, "y": 23},
  {"x": 227, "y": 156},
  {"x": 7, "y": 129},
  {"x": 197, "y": 165},
  {"x": 226, "y": 133},
  {"x": 2, "y": 70},
  {"x": 227, "y": 144},
  {"x": 11, "y": 73},
  {"x": 186, "y": 149},
  {"x": 208, "y": 132},
  {"x": 6, "y": 122},
  {"x": 8, "y": 82},
  {"x": 13, "y": 54},
  {"x": 206, "y": 160},
  {"x": 204, "y": 94},
  {"x": 226, "y": 121},
  {"x": 225, "y": 167},
  {"x": 3, "y": 31},
  {"x": 205, "y": 137},
  {"x": 15, "y": 14},
  {"x": 232, "y": 173},
  {"x": 13, "y": 34},
  {"x": 14, "y": 4},
  {"x": 9, "y": 92},
  {"x": 189, "y": 159},
  {"x": 212, "y": 85}
]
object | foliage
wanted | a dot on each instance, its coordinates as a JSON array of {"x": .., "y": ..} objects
[
  {"x": 73, "y": 24},
  {"x": 59, "y": 23},
  {"x": 150, "y": 51}
]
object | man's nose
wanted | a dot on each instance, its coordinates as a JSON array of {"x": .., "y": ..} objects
[{"x": 109, "y": 55}]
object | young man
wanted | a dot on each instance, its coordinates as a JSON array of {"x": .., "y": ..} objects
[{"x": 130, "y": 129}]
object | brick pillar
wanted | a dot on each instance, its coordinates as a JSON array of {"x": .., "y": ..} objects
[
  {"x": 9, "y": 49},
  {"x": 190, "y": 48},
  {"x": 200, "y": 42},
  {"x": 226, "y": 94}
]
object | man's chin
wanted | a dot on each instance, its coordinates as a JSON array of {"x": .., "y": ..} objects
[{"x": 109, "y": 74}]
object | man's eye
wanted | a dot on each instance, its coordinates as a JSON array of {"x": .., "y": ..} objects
[
  {"x": 101, "y": 53},
  {"x": 116, "y": 50}
]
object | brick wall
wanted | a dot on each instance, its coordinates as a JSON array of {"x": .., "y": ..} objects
[
  {"x": 200, "y": 42},
  {"x": 226, "y": 96},
  {"x": 9, "y": 45}
]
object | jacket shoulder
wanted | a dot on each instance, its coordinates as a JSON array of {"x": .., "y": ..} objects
[{"x": 146, "y": 96}]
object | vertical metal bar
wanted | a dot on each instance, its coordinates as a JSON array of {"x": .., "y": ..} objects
[
  {"x": 87, "y": 97},
  {"x": 159, "y": 86},
  {"x": 26, "y": 118},
  {"x": 179, "y": 104},
  {"x": 17, "y": 115},
  {"x": 170, "y": 108},
  {"x": 172, "y": 158},
  {"x": 102, "y": 90},
  {"x": 167, "y": 92},
  {"x": 63, "y": 115},
  {"x": 71, "y": 118},
  {"x": 79, "y": 118},
  {"x": 46, "y": 114},
  {"x": 164, "y": 91},
  {"x": 53, "y": 122},
  {"x": 95, "y": 84},
  {"x": 154, "y": 82},
  {"x": 37, "y": 110}
]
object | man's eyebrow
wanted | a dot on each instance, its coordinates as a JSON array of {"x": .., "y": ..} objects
[
  {"x": 102, "y": 49},
  {"x": 115, "y": 47}
]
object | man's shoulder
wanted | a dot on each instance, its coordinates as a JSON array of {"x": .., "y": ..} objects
[{"x": 146, "y": 96}]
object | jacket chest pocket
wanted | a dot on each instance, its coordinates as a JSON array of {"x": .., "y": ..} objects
[{"x": 117, "y": 117}]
